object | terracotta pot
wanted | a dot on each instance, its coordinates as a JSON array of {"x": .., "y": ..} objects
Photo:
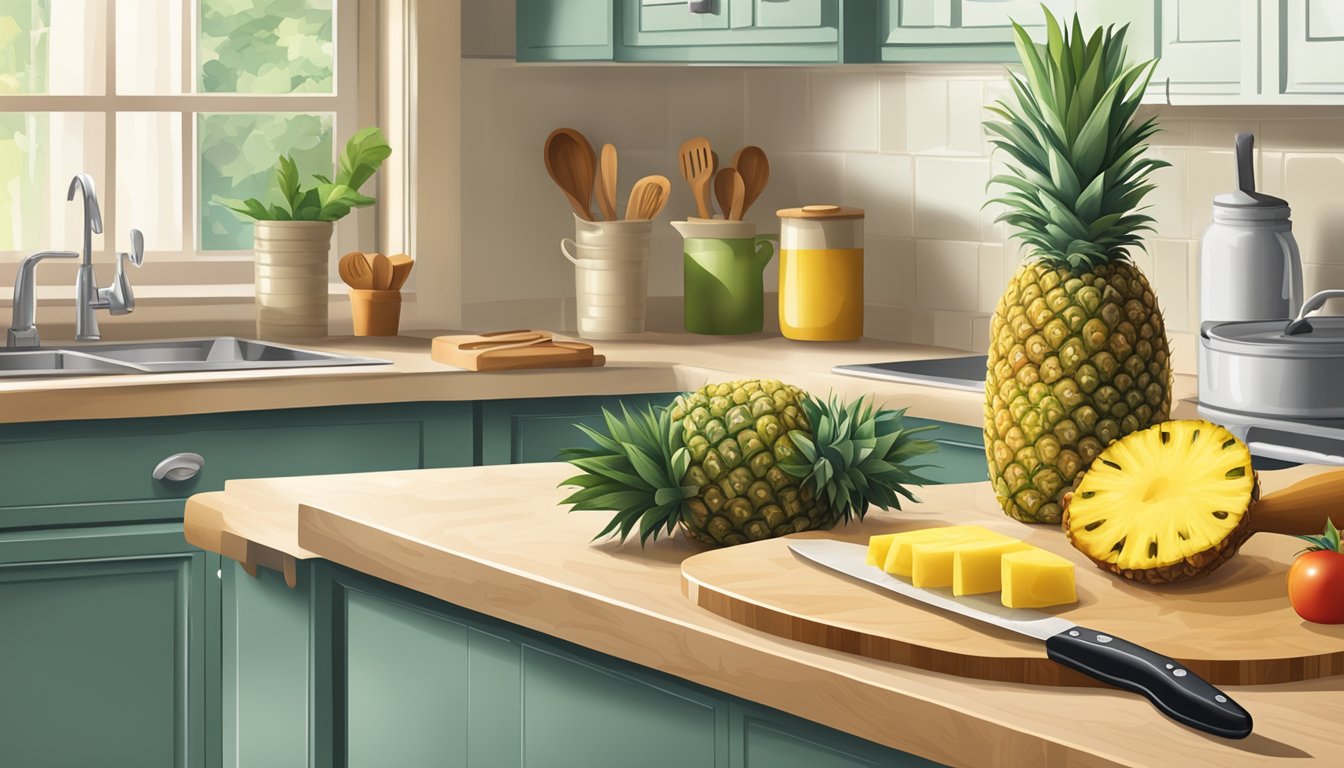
[
  {"x": 376, "y": 313},
  {"x": 301, "y": 250}
]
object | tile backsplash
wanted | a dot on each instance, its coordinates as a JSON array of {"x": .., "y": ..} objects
[{"x": 903, "y": 143}]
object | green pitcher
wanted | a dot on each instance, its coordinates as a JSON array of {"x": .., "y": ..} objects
[{"x": 724, "y": 276}]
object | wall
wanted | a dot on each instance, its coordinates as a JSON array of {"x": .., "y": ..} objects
[{"x": 903, "y": 143}]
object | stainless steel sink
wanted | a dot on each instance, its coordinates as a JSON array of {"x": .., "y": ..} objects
[
  {"x": 58, "y": 362},
  {"x": 224, "y": 353}
]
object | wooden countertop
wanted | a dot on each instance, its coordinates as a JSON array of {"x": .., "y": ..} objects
[
  {"x": 495, "y": 540},
  {"x": 655, "y": 362}
]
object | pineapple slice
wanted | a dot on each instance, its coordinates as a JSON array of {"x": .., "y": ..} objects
[
  {"x": 878, "y": 547},
  {"x": 931, "y": 562},
  {"x": 976, "y": 568},
  {"x": 898, "y": 561},
  {"x": 1165, "y": 504},
  {"x": 1034, "y": 578}
]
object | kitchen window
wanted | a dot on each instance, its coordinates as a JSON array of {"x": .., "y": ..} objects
[{"x": 169, "y": 103}]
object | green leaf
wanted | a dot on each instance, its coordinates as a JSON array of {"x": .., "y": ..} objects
[
  {"x": 364, "y": 153},
  {"x": 287, "y": 183}
]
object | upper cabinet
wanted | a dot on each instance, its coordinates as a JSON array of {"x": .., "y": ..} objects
[{"x": 1212, "y": 51}]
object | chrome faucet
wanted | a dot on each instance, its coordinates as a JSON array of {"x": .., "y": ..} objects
[{"x": 117, "y": 299}]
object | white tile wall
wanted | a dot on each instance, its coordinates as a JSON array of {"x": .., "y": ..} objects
[{"x": 906, "y": 145}]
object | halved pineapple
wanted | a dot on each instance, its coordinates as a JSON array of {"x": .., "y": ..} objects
[{"x": 1164, "y": 504}]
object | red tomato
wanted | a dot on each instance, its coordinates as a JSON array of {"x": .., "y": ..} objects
[{"x": 1316, "y": 586}]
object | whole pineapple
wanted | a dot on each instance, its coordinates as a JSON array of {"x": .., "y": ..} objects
[
  {"x": 1078, "y": 350},
  {"x": 744, "y": 461}
]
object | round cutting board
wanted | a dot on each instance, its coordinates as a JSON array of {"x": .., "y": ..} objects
[{"x": 1234, "y": 627}]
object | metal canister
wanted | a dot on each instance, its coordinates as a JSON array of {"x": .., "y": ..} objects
[{"x": 821, "y": 273}]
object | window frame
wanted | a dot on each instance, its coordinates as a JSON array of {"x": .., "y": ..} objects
[{"x": 356, "y": 70}]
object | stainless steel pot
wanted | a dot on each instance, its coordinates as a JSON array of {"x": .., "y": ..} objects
[{"x": 1292, "y": 368}]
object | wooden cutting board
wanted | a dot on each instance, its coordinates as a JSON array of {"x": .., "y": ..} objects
[
  {"x": 1236, "y": 627},
  {"x": 513, "y": 350}
]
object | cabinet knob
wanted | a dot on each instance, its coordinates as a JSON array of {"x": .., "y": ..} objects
[{"x": 179, "y": 467}]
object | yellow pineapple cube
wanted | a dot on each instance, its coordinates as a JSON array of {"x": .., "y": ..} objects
[
  {"x": 976, "y": 568},
  {"x": 897, "y": 561},
  {"x": 931, "y": 562},
  {"x": 878, "y": 546},
  {"x": 1034, "y": 578}
]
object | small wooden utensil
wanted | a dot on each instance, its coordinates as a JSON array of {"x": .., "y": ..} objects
[
  {"x": 730, "y": 192},
  {"x": 401, "y": 269},
  {"x": 697, "y": 167},
  {"x": 648, "y": 197},
  {"x": 511, "y": 350},
  {"x": 355, "y": 270},
  {"x": 571, "y": 163},
  {"x": 754, "y": 166},
  {"x": 606, "y": 187},
  {"x": 382, "y": 272}
]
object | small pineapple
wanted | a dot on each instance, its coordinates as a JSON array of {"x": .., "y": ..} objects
[
  {"x": 1165, "y": 504},
  {"x": 1078, "y": 349},
  {"x": 745, "y": 461}
]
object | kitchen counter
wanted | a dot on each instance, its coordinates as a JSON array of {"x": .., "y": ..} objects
[
  {"x": 652, "y": 363},
  {"x": 494, "y": 540}
]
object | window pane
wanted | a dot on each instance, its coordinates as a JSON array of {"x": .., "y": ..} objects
[
  {"x": 265, "y": 46},
  {"x": 149, "y": 178},
  {"x": 52, "y": 46},
  {"x": 149, "y": 46},
  {"x": 237, "y": 153},
  {"x": 39, "y": 153}
]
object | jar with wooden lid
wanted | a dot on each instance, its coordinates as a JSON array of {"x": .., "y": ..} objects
[{"x": 821, "y": 273}]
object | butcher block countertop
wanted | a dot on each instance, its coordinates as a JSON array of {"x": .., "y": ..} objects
[
  {"x": 495, "y": 540},
  {"x": 651, "y": 363}
]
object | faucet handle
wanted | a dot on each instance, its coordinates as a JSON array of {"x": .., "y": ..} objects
[{"x": 119, "y": 298}]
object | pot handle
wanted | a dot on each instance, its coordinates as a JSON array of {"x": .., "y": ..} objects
[{"x": 1299, "y": 324}]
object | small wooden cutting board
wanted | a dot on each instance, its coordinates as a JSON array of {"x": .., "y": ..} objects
[
  {"x": 1234, "y": 627},
  {"x": 513, "y": 350}
]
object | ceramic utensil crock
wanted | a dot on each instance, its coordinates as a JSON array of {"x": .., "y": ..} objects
[{"x": 724, "y": 275}]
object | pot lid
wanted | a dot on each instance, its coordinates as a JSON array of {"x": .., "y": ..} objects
[
  {"x": 1269, "y": 338},
  {"x": 820, "y": 212},
  {"x": 1245, "y": 196}
]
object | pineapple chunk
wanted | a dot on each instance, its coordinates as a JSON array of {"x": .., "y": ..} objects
[
  {"x": 897, "y": 561},
  {"x": 878, "y": 547},
  {"x": 976, "y": 568},
  {"x": 931, "y": 562},
  {"x": 1034, "y": 578}
]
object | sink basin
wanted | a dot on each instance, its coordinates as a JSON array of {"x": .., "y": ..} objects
[
  {"x": 58, "y": 362},
  {"x": 224, "y": 353}
]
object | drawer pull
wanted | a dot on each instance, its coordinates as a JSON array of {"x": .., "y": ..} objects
[{"x": 179, "y": 467}]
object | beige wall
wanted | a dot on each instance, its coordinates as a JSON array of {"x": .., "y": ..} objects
[{"x": 903, "y": 143}]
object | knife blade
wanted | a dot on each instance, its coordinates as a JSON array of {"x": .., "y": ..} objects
[{"x": 1176, "y": 692}]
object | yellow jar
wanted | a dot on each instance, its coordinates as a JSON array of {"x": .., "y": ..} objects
[{"x": 821, "y": 273}]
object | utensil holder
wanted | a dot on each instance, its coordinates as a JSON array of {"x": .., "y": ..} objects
[{"x": 375, "y": 313}]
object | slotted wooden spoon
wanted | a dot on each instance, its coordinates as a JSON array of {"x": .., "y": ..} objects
[
  {"x": 355, "y": 270},
  {"x": 571, "y": 163},
  {"x": 754, "y": 166},
  {"x": 697, "y": 167},
  {"x": 648, "y": 198}
]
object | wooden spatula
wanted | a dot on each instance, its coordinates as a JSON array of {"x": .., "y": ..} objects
[
  {"x": 355, "y": 270},
  {"x": 648, "y": 198},
  {"x": 697, "y": 167},
  {"x": 606, "y": 187}
]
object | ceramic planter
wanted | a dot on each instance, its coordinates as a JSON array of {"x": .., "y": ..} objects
[{"x": 291, "y": 278}]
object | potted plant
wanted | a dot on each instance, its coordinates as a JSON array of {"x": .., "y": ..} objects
[{"x": 293, "y": 231}]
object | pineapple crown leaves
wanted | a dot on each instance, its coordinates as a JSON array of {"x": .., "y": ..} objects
[
  {"x": 1328, "y": 541},
  {"x": 1076, "y": 157},
  {"x": 857, "y": 456},
  {"x": 634, "y": 469}
]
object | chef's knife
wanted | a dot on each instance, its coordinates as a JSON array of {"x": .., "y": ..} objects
[{"x": 1178, "y": 693}]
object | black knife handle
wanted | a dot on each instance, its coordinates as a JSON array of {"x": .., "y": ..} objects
[{"x": 1179, "y": 693}]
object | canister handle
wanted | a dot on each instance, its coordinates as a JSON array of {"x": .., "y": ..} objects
[
  {"x": 567, "y": 248},
  {"x": 1292, "y": 272},
  {"x": 1299, "y": 324}
]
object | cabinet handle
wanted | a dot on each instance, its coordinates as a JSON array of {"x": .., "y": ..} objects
[
  {"x": 179, "y": 467},
  {"x": 700, "y": 6}
]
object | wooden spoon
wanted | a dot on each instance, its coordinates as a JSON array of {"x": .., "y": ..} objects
[
  {"x": 353, "y": 269},
  {"x": 401, "y": 269},
  {"x": 606, "y": 187},
  {"x": 648, "y": 198},
  {"x": 731, "y": 193},
  {"x": 754, "y": 167},
  {"x": 382, "y": 272},
  {"x": 697, "y": 167},
  {"x": 571, "y": 163}
]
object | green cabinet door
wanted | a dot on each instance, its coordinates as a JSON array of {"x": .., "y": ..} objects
[
  {"x": 537, "y": 429},
  {"x": 747, "y": 31},
  {"x": 564, "y": 30},
  {"x": 768, "y": 738},
  {"x": 959, "y": 30},
  {"x": 103, "y": 648}
]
